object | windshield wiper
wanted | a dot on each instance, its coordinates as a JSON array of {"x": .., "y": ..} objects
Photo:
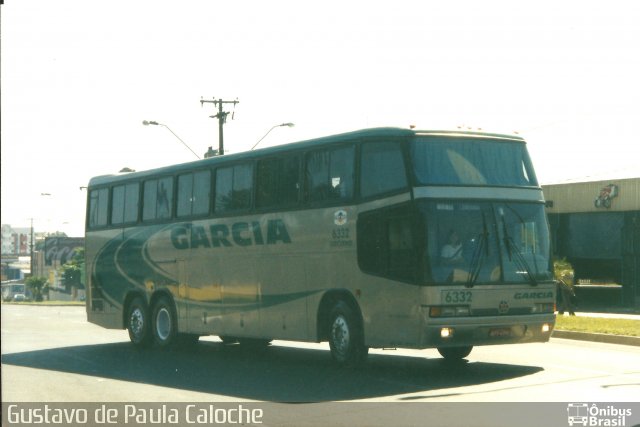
[
  {"x": 477, "y": 258},
  {"x": 514, "y": 253}
]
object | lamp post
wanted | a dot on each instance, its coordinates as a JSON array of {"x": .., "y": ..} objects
[
  {"x": 154, "y": 123},
  {"x": 265, "y": 135}
]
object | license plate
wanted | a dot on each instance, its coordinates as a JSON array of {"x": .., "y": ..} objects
[
  {"x": 457, "y": 297},
  {"x": 500, "y": 332}
]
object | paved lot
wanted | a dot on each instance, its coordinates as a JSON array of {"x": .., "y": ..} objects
[{"x": 52, "y": 354}]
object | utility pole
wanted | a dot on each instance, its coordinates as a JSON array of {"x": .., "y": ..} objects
[
  {"x": 222, "y": 118},
  {"x": 31, "y": 252}
]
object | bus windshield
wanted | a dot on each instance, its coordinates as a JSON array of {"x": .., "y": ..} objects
[
  {"x": 467, "y": 160},
  {"x": 486, "y": 242}
]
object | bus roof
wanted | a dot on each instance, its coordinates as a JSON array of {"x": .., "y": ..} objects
[{"x": 388, "y": 132}]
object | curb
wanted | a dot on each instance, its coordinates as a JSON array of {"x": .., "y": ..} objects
[
  {"x": 35, "y": 304},
  {"x": 605, "y": 338}
]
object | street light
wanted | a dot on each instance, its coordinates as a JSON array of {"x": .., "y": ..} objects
[
  {"x": 276, "y": 126},
  {"x": 147, "y": 123}
]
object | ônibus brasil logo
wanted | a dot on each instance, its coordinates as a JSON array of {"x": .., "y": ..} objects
[{"x": 593, "y": 415}]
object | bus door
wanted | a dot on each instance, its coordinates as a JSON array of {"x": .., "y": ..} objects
[{"x": 388, "y": 249}]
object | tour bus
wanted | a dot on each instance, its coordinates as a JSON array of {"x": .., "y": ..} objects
[{"x": 378, "y": 238}]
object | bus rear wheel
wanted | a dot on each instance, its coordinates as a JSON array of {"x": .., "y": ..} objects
[
  {"x": 164, "y": 322},
  {"x": 346, "y": 336},
  {"x": 455, "y": 353},
  {"x": 138, "y": 323}
]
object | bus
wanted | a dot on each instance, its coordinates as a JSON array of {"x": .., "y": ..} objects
[{"x": 340, "y": 239}]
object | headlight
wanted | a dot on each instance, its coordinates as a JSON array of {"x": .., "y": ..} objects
[
  {"x": 446, "y": 332},
  {"x": 546, "y": 307}
]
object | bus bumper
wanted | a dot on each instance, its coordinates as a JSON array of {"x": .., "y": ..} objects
[
  {"x": 456, "y": 332},
  {"x": 109, "y": 320}
]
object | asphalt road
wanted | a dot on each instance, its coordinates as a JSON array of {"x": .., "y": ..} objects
[{"x": 52, "y": 354}]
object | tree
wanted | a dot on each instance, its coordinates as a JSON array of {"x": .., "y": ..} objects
[
  {"x": 72, "y": 271},
  {"x": 35, "y": 284}
]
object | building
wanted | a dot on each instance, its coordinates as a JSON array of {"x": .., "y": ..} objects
[
  {"x": 596, "y": 227},
  {"x": 15, "y": 241},
  {"x": 50, "y": 251}
]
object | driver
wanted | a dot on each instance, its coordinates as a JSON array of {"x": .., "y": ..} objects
[{"x": 451, "y": 252}]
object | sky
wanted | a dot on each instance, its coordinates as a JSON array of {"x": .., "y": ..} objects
[{"x": 78, "y": 78}]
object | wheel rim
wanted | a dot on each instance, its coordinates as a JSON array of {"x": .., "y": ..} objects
[
  {"x": 136, "y": 322},
  {"x": 163, "y": 324},
  {"x": 340, "y": 335}
]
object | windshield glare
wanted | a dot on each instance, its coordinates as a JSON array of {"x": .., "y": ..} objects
[
  {"x": 482, "y": 242},
  {"x": 456, "y": 160}
]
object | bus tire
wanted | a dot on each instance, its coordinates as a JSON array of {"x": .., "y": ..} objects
[
  {"x": 138, "y": 323},
  {"x": 346, "y": 336},
  {"x": 455, "y": 353},
  {"x": 164, "y": 322}
]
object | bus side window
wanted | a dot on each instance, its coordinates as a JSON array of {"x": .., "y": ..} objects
[
  {"x": 402, "y": 255},
  {"x": 278, "y": 182},
  {"x": 164, "y": 198},
  {"x": 193, "y": 193},
  {"x": 381, "y": 168},
  {"x": 386, "y": 244},
  {"x": 234, "y": 186},
  {"x": 124, "y": 204},
  {"x": 157, "y": 199},
  {"x": 329, "y": 174},
  {"x": 372, "y": 248},
  {"x": 98, "y": 207}
]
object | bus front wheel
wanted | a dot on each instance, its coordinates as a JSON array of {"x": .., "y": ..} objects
[
  {"x": 455, "y": 353},
  {"x": 164, "y": 322},
  {"x": 346, "y": 336},
  {"x": 138, "y": 323}
]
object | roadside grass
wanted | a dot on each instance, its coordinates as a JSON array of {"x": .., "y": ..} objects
[{"x": 598, "y": 325}]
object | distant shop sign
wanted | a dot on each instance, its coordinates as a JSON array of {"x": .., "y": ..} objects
[
  {"x": 607, "y": 194},
  {"x": 59, "y": 250}
]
